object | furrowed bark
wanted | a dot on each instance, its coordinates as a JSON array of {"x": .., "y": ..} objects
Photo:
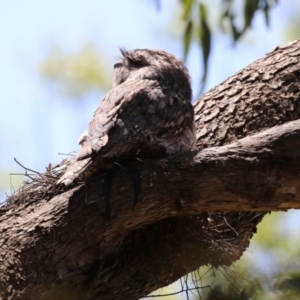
[{"x": 65, "y": 248}]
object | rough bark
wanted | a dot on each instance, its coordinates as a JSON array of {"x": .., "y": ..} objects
[{"x": 63, "y": 247}]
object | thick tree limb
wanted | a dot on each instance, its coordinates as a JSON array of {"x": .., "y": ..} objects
[{"x": 64, "y": 247}]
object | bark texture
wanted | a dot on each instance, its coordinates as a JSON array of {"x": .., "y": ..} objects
[{"x": 63, "y": 247}]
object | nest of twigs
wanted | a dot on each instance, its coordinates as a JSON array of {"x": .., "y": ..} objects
[{"x": 38, "y": 186}]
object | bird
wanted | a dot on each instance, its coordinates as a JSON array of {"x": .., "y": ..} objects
[{"x": 147, "y": 114}]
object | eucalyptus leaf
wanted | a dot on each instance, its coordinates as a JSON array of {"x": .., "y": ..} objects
[{"x": 188, "y": 33}]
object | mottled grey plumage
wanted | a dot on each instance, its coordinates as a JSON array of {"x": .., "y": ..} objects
[{"x": 148, "y": 112}]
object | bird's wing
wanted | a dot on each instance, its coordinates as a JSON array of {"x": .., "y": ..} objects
[
  {"x": 96, "y": 138},
  {"x": 138, "y": 111},
  {"x": 132, "y": 113}
]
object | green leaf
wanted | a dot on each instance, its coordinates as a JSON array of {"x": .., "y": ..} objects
[
  {"x": 188, "y": 33},
  {"x": 288, "y": 282},
  {"x": 236, "y": 34},
  {"x": 266, "y": 10},
  {"x": 187, "y": 8},
  {"x": 77, "y": 73},
  {"x": 223, "y": 17},
  {"x": 250, "y": 7},
  {"x": 204, "y": 36}
]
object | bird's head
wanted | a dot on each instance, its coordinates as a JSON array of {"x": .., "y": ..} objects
[{"x": 152, "y": 64}]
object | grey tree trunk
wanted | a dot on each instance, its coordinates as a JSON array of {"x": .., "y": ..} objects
[{"x": 194, "y": 209}]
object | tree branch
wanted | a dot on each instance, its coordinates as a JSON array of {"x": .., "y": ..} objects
[{"x": 63, "y": 246}]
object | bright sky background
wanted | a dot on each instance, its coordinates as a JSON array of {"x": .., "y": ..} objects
[{"x": 36, "y": 122}]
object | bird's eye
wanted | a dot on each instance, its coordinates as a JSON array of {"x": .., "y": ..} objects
[{"x": 118, "y": 65}]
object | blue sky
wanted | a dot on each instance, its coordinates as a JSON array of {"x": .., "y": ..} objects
[{"x": 36, "y": 122}]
